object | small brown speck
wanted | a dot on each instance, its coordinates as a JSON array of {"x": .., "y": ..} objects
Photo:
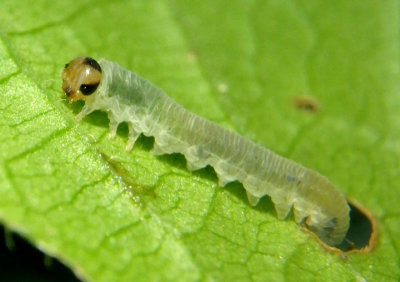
[{"x": 306, "y": 103}]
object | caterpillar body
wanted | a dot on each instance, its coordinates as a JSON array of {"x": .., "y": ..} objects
[{"x": 127, "y": 97}]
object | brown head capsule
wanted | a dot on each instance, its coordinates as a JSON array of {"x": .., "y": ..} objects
[{"x": 81, "y": 77}]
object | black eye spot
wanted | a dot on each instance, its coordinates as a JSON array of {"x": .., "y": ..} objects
[
  {"x": 91, "y": 62},
  {"x": 88, "y": 89},
  {"x": 66, "y": 66}
]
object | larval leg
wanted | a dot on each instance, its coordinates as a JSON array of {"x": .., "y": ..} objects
[
  {"x": 85, "y": 111},
  {"x": 113, "y": 128},
  {"x": 193, "y": 165},
  {"x": 253, "y": 200},
  {"x": 157, "y": 150},
  {"x": 133, "y": 136}
]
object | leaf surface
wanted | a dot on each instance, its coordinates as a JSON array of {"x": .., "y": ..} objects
[{"x": 112, "y": 215}]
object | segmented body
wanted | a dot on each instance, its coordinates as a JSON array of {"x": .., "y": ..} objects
[{"x": 127, "y": 97}]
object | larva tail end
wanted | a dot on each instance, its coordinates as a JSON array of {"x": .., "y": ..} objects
[{"x": 328, "y": 229}]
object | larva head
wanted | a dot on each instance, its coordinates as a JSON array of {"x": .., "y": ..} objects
[{"x": 81, "y": 77}]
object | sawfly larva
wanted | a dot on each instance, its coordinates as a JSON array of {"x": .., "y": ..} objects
[{"x": 127, "y": 97}]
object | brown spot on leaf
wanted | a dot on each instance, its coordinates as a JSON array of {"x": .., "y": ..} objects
[{"x": 306, "y": 103}]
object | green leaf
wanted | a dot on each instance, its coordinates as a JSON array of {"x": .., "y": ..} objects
[{"x": 117, "y": 216}]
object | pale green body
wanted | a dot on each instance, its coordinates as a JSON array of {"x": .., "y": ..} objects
[{"x": 127, "y": 97}]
